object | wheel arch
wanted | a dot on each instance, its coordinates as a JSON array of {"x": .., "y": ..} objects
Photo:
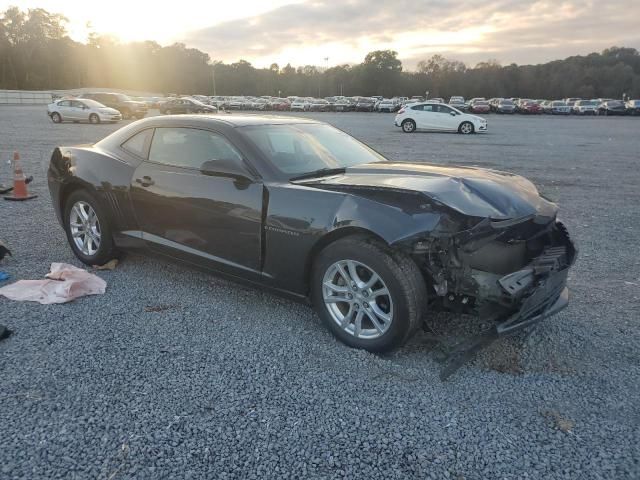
[
  {"x": 69, "y": 188},
  {"x": 332, "y": 237}
]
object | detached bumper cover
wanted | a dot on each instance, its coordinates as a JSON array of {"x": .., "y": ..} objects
[
  {"x": 538, "y": 291},
  {"x": 544, "y": 303}
]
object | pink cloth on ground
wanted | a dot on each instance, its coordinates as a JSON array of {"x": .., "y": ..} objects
[{"x": 64, "y": 283}]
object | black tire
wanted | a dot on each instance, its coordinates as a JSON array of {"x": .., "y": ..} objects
[
  {"x": 56, "y": 118},
  {"x": 106, "y": 251},
  {"x": 400, "y": 274},
  {"x": 408, "y": 126},
  {"x": 94, "y": 118},
  {"x": 466, "y": 128}
]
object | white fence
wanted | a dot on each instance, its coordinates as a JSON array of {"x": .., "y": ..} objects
[
  {"x": 44, "y": 97},
  {"x": 24, "y": 97}
]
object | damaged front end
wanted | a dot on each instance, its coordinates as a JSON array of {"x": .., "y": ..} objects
[{"x": 511, "y": 273}]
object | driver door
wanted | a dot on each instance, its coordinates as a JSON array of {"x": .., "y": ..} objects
[
  {"x": 447, "y": 119},
  {"x": 213, "y": 218},
  {"x": 78, "y": 111}
]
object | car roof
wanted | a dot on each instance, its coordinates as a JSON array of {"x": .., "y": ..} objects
[
  {"x": 227, "y": 119},
  {"x": 222, "y": 121}
]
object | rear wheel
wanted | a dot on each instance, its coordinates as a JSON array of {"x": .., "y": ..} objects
[
  {"x": 408, "y": 126},
  {"x": 56, "y": 118},
  {"x": 369, "y": 296},
  {"x": 88, "y": 229},
  {"x": 94, "y": 118},
  {"x": 466, "y": 128}
]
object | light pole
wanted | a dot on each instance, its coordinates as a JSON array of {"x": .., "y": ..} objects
[{"x": 213, "y": 78}]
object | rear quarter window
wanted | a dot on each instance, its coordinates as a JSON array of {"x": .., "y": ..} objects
[{"x": 139, "y": 144}]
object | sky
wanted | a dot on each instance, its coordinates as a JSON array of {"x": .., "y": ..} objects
[{"x": 333, "y": 32}]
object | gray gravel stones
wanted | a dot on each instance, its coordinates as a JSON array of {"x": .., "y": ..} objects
[{"x": 177, "y": 374}]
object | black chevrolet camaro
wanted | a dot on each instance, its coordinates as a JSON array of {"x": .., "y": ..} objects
[{"x": 302, "y": 208}]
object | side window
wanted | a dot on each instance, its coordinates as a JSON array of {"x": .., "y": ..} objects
[
  {"x": 444, "y": 109},
  {"x": 77, "y": 104},
  {"x": 190, "y": 148},
  {"x": 420, "y": 108},
  {"x": 139, "y": 143},
  {"x": 64, "y": 103},
  {"x": 430, "y": 108}
]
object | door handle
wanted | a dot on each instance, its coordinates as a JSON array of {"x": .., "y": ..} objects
[{"x": 145, "y": 181}]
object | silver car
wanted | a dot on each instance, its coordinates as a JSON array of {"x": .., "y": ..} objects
[{"x": 81, "y": 110}]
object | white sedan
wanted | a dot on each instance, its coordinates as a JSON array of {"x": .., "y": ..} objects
[
  {"x": 300, "y": 104},
  {"x": 81, "y": 110},
  {"x": 438, "y": 117}
]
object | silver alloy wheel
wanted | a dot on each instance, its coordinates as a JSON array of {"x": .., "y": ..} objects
[
  {"x": 357, "y": 299},
  {"x": 466, "y": 128},
  {"x": 85, "y": 228},
  {"x": 408, "y": 126}
]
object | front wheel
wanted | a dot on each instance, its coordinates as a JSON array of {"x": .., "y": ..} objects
[
  {"x": 88, "y": 229},
  {"x": 466, "y": 128},
  {"x": 368, "y": 296},
  {"x": 408, "y": 126}
]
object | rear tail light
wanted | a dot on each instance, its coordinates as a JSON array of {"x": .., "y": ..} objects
[{"x": 401, "y": 111}]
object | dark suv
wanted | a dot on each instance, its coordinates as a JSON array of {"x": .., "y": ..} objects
[{"x": 127, "y": 107}]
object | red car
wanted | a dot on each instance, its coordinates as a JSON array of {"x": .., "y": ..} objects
[
  {"x": 281, "y": 105},
  {"x": 530, "y": 107},
  {"x": 479, "y": 107}
]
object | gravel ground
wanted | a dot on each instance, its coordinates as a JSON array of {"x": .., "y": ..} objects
[{"x": 177, "y": 374}]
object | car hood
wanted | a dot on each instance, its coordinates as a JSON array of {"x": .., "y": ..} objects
[
  {"x": 471, "y": 191},
  {"x": 475, "y": 117}
]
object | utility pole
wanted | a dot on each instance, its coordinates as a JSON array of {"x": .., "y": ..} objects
[{"x": 213, "y": 78}]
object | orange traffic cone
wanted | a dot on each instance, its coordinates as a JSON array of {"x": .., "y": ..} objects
[{"x": 19, "y": 182}]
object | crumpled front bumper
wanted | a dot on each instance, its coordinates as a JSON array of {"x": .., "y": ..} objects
[
  {"x": 541, "y": 286},
  {"x": 544, "y": 303}
]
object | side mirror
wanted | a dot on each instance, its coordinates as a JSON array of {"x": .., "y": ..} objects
[
  {"x": 226, "y": 167},
  {"x": 453, "y": 114}
]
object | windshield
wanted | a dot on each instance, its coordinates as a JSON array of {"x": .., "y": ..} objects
[
  {"x": 123, "y": 98},
  {"x": 197, "y": 102},
  {"x": 92, "y": 103},
  {"x": 506, "y": 102},
  {"x": 297, "y": 149},
  {"x": 558, "y": 104}
]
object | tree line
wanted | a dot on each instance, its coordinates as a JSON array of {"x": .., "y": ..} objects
[{"x": 36, "y": 53}]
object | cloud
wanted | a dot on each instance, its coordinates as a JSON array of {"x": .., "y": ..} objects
[{"x": 518, "y": 31}]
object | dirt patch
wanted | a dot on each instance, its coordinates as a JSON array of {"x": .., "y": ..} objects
[
  {"x": 557, "y": 421},
  {"x": 503, "y": 356}
]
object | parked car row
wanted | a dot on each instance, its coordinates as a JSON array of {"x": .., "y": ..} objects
[
  {"x": 97, "y": 107},
  {"x": 568, "y": 106}
]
